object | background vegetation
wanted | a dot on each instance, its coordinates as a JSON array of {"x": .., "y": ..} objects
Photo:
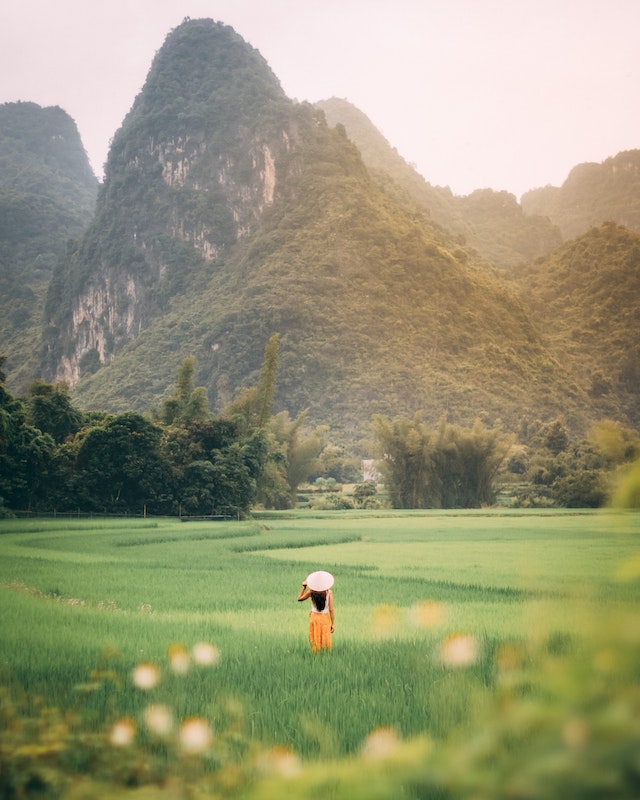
[{"x": 183, "y": 460}]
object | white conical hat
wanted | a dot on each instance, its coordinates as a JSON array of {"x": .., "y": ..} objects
[{"x": 319, "y": 581}]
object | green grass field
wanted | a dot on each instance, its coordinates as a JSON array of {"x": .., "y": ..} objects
[{"x": 86, "y": 601}]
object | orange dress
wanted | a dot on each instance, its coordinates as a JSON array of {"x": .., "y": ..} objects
[{"x": 320, "y": 626}]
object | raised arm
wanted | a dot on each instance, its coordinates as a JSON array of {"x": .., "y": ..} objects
[{"x": 305, "y": 593}]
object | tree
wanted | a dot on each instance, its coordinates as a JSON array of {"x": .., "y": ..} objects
[
  {"x": 267, "y": 381},
  {"x": 466, "y": 462},
  {"x": 364, "y": 491},
  {"x": 254, "y": 405},
  {"x": 404, "y": 448},
  {"x": 555, "y": 437},
  {"x": 579, "y": 488},
  {"x": 451, "y": 467},
  {"x": 296, "y": 451},
  {"x": 120, "y": 467},
  {"x": 28, "y": 469},
  {"x": 51, "y": 410},
  {"x": 226, "y": 482},
  {"x": 617, "y": 444},
  {"x": 188, "y": 404}
]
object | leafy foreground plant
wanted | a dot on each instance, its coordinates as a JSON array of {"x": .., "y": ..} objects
[{"x": 562, "y": 721}]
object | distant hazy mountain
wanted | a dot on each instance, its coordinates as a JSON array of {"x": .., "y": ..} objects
[
  {"x": 47, "y": 196},
  {"x": 591, "y": 195},
  {"x": 491, "y": 222}
]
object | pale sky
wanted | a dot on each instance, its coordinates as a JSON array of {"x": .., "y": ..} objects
[{"x": 500, "y": 94}]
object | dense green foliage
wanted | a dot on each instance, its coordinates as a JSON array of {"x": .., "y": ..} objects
[
  {"x": 447, "y": 467},
  {"x": 54, "y": 457},
  {"x": 186, "y": 461},
  {"x": 476, "y": 655},
  {"x": 47, "y": 196},
  {"x": 585, "y": 298},
  {"x": 183, "y": 460}
]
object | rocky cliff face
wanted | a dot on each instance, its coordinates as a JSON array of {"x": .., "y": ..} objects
[
  {"x": 47, "y": 196},
  {"x": 188, "y": 176},
  {"x": 114, "y": 307}
]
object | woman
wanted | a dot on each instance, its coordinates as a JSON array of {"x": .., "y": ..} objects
[{"x": 317, "y": 587}]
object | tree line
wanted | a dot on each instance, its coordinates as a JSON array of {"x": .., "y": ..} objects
[
  {"x": 178, "y": 459},
  {"x": 181, "y": 459}
]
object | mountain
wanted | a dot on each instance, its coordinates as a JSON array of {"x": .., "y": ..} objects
[
  {"x": 586, "y": 299},
  {"x": 228, "y": 213},
  {"x": 47, "y": 196},
  {"x": 591, "y": 195},
  {"x": 583, "y": 296},
  {"x": 493, "y": 223}
]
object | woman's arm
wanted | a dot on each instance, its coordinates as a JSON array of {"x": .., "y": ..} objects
[
  {"x": 305, "y": 593},
  {"x": 332, "y": 612}
]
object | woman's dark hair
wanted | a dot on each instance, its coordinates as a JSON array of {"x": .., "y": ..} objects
[{"x": 319, "y": 600}]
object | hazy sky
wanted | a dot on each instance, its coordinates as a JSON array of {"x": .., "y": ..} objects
[{"x": 506, "y": 94}]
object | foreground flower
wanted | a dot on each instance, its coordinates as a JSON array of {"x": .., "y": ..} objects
[
  {"x": 385, "y": 619},
  {"x": 195, "y": 735},
  {"x": 145, "y": 676},
  {"x": 575, "y": 733},
  {"x": 205, "y": 654},
  {"x": 459, "y": 650},
  {"x": 428, "y": 614},
  {"x": 158, "y": 719},
  {"x": 380, "y": 743},
  {"x": 122, "y": 732},
  {"x": 280, "y": 761},
  {"x": 179, "y": 659}
]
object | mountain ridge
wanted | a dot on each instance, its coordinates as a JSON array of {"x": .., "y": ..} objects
[
  {"x": 491, "y": 222},
  {"x": 591, "y": 195},
  {"x": 229, "y": 213},
  {"x": 347, "y": 275}
]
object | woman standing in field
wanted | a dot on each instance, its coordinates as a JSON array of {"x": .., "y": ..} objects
[{"x": 322, "y": 616}]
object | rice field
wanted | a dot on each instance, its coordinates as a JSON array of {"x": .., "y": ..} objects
[{"x": 427, "y": 603}]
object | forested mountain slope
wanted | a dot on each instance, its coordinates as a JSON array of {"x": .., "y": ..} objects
[
  {"x": 491, "y": 222},
  {"x": 592, "y": 194},
  {"x": 229, "y": 213},
  {"x": 586, "y": 299},
  {"x": 47, "y": 195}
]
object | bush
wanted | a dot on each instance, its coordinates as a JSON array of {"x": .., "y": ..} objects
[
  {"x": 579, "y": 489},
  {"x": 331, "y": 502}
]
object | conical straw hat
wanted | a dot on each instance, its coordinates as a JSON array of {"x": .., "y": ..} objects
[{"x": 319, "y": 581}]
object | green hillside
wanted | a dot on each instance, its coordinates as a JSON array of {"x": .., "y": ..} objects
[
  {"x": 47, "y": 196},
  {"x": 491, "y": 222},
  {"x": 586, "y": 299}
]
